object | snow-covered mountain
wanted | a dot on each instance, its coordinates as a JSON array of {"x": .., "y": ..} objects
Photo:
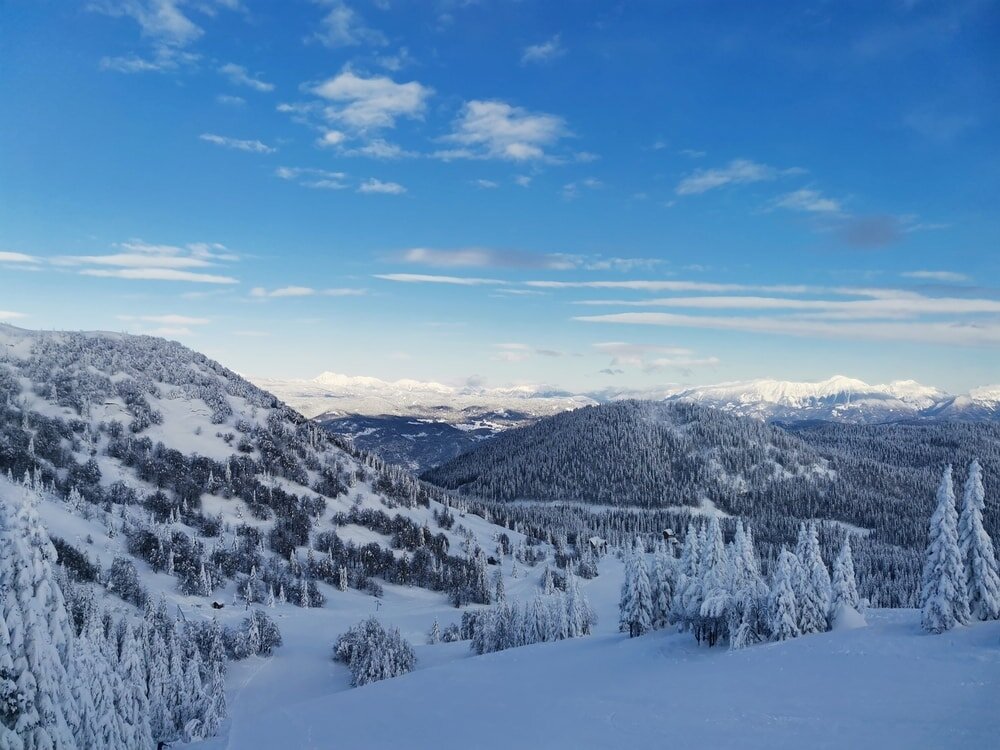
[
  {"x": 840, "y": 399},
  {"x": 183, "y": 458}
]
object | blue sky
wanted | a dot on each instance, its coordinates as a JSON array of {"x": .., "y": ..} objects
[{"x": 590, "y": 195}]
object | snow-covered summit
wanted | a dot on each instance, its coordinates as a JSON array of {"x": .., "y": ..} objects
[{"x": 839, "y": 398}]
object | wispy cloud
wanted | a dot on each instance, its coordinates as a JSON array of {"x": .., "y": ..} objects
[
  {"x": 517, "y": 352},
  {"x": 158, "y": 274},
  {"x": 889, "y": 306},
  {"x": 953, "y": 333},
  {"x": 498, "y": 130},
  {"x": 482, "y": 257},
  {"x": 9, "y": 257},
  {"x": 419, "y": 278},
  {"x": 945, "y": 276},
  {"x": 811, "y": 201},
  {"x": 239, "y": 75},
  {"x": 238, "y": 144},
  {"x": 669, "y": 285},
  {"x": 11, "y": 315},
  {"x": 164, "y": 25},
  {"x": 544, "y": 51},
  {"x": 138, "y": 260},
  {"x": 342, "y": 26},
  {"x": 306, "y": 291},
  {"x": 372, "y": 185},
  {"x": 737, "y": 172},
  {"x": 311, "y": 177}
]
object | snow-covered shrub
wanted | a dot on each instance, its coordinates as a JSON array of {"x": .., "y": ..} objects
[{"x": 373, "y": 653}]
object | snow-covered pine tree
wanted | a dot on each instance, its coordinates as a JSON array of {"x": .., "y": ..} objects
[
  {"x": 715, "y": 575},
  {"x": 748, "y": 616},
  {"x": 39, "y": 630},
  {"x": 944, "y": 600},
  {"x": 784, "y": 617},
  {"x": 688, "y": 570},
  {"x": 845, "y": 586},
  {"x": 135, "y": 704},
  {"x": 434, "y": 636},
  {"x": 982, "y": 578},
  {"x": 820, "y": 594},
  {"x": 662, "y": 583},
  {"x": 637, "y": 599}
]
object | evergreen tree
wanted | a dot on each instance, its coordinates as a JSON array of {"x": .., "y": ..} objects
[
  {"x": 784, "y": 617},
  {"x": 715, "y": 593},
  {"x": 135, "y": 704},
  {"x": 815, "y": 594},
  {"x": 845, "y": 587},
  {"x": 982, "y": 577},
  {"x": 39, "y": 630},
  {"x": 944, "y": 600},
  {"x": 662, "y": 583},
  {"x": 636, "y": 600}
]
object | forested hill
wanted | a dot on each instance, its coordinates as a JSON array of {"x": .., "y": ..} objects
[
  {"x": 638, "y": 453},
  {"x": 665, "y": 455},
  {"x": 213, "y": 479}
]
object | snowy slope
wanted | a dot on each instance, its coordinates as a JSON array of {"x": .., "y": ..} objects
[
  {"x": 92, "y": 412},
  {"x": 885, "y": 686}
]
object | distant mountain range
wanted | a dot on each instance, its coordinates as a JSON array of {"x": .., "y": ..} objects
[
  {"x": 842, "y": 399},
  {"x": 423, "y": 424}
]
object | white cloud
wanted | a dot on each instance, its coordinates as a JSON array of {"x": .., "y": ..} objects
[
  {"x": 342, "y": 26},
  {"x": 483, "y": 257},
  {"x": 956, "y": 333},
  {"x": 668, "y": 286},
  {"x": 372, "y": 185},
  {"x": 236, "y": 143},
  {"x": 808, "y": 200},
  {"x": 543, "y": 52},
  {"x": 737, "y": 172},
  {"x": 523, "y": 180},
  {"x": 159, "y": 274},
  {"x": 379, "y": 148},
  {"x": 161, "y": 20},
  {"x": 944, "y": 276},
  {"x": 331, "y": 138},
  {"x": 20, "y": 258},
  {"x": 419, "y": 278},
  {"x": 239, "y": 75},
  {"x": 230, "y": 101},
  {"x": 11, "y": 315},
  {"x": 305, "y": 291},
  {"x": 371, "y": 103},
  {"x": 898, "y": 306},
  {"x": 164, "y": 25},
  {"x": 497, "y": 130},
  {"x": 138, "y": 260}
]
